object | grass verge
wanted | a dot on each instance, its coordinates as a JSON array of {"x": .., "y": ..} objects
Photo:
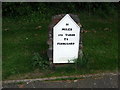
[{"x": 24, "y": 36}]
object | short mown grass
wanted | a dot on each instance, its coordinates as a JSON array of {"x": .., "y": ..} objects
[{"x": 26, "y": 35}]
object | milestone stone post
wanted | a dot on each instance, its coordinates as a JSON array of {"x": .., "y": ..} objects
[{"x": 64, "y": 39}]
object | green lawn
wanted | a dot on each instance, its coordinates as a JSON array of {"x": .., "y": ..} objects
[{"x": 22, "y": 38}]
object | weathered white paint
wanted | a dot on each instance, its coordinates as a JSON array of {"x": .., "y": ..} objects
[{"x": 64, "y": 53}]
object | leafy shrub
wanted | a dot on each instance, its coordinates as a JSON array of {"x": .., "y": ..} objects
[
  {"x": 81, "y": 61},
  {"x": 26, "y": 8},
  {"x": 39, "y": 61}
]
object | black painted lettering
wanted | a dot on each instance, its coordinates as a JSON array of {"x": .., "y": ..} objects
[
  {"x": 67, "y": 29},
  {"x": 60, "y": 34},
  {"x": 65, "y": 39}
]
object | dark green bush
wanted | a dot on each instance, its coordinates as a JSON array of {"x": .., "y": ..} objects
[
  {"x": 81, "y": 61},
  {"x": 39, "y": 61},
  {"x": 25, "y": 8}
]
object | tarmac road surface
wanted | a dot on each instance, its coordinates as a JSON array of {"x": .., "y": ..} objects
[{"x": 106, "y": 81}]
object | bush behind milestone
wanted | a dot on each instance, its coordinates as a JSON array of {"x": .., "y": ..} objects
[{"x": 26, "y": 8}]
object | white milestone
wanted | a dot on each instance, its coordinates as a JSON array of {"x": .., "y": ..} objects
[{"x": 66, "y": 35}]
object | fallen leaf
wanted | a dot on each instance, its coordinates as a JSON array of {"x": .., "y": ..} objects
[
  {"x": 26, "y": 38},
  {"x": 36, "y": 34},
  {"x": 38, "y": 27},
  {"x": 85, "y": 31},
  {"x": 106, "y": 29},
  {"x": 94, "y": 31},
  {"x": 6, "y": 29},
  {"x": 21, "y": 86},
  {"x": 75, "y": 80}
]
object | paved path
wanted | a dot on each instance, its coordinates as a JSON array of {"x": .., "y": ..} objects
[{"x": 105, "y": 81}]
